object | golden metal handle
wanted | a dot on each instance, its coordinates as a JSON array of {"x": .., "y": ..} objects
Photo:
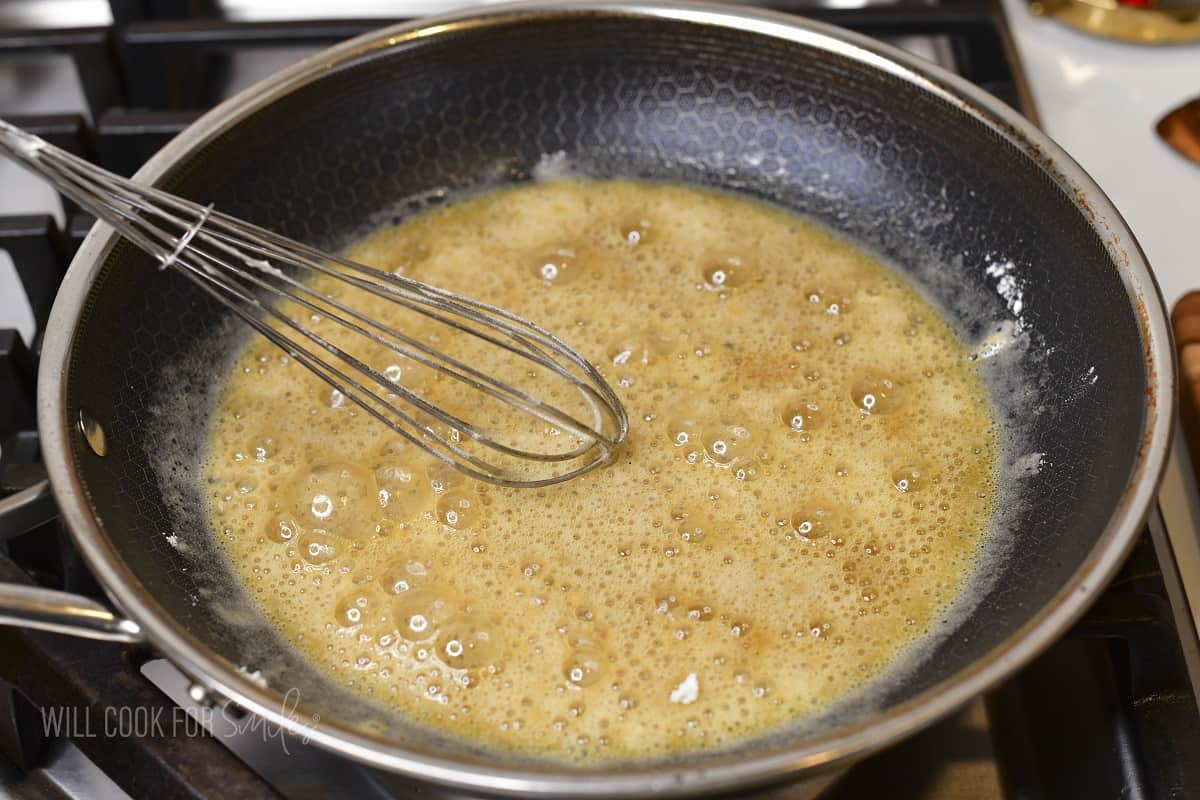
[{"x": 1153, "y": 24}]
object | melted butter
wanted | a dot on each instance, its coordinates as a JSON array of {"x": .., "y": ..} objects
[{"x": 807, "y": 483}]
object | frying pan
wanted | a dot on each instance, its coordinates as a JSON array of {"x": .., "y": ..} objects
[{"x": 992, "y": 220}]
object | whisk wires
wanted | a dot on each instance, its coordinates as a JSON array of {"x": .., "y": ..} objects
[{"x": 335, "y": 317}]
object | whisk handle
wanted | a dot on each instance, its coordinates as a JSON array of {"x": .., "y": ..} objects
[
  {"x": 47, "y": 161},
  {"x": 23, "y": 147},
  {"x": 85, "y": 183}
]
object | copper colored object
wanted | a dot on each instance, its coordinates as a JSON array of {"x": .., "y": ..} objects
[
  {"x": 1181, "y": 129},
  {"x": 1185, "y": 319},
  {"x": 1140, "y": 21}
]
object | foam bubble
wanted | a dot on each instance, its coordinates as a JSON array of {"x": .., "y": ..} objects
[
  {"x": 877, "y": 393},
  {"x": 584, "y": 666}
]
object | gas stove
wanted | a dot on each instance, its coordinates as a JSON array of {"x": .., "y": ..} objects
[{"x": 1109, "y": 711}]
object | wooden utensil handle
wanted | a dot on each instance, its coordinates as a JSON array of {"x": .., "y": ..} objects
[{"x": 1186, "y": 322}]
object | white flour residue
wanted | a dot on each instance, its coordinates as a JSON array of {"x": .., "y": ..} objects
[
  {"x": 254, "y": 675},
  {"x": 687, "y": 691},
  {"x": 826, "y": 190},
  {"x": 1028, "y": 465},
  {"x": 1072, "y": 393},
  {"x": 1003, "y": 337},
  {"x": 937, "y": 213},
  {"x": 172, "y": 540},
  {"x": 1008, "y": 286},
  {"x": 262, "y": 265},
  {"x": 556, "y": 166}
]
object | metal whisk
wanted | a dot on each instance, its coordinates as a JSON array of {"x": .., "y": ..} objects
[{"x": 260, "y": 275}]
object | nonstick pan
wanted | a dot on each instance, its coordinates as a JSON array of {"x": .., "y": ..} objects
[{"x": 993, "y": 221}]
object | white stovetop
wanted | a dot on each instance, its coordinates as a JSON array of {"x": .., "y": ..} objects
[{"x": 1100, "y": 100}]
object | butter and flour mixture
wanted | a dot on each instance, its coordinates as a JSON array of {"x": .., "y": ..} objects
[{"x": 807, "y": 482}]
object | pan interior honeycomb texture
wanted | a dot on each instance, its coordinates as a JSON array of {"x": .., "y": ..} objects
[{"x": 807, "y": 485}]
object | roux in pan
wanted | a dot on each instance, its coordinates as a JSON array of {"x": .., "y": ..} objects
[{"x": 807, "y": 482}]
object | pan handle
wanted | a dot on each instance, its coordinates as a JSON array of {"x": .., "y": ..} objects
[
  {"x": 63, "y": 612},
  {"x": 47, "y": 609}
]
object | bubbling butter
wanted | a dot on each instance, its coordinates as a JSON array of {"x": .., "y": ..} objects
[{"x": 807, "y": 484}]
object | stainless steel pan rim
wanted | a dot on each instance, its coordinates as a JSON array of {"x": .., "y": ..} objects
[{"x": 836, "y": 747}]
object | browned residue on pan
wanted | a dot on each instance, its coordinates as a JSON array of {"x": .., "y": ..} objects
[
  {"x": 1082, "y": 201},
  {"x": 1152, "y": 388}
]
